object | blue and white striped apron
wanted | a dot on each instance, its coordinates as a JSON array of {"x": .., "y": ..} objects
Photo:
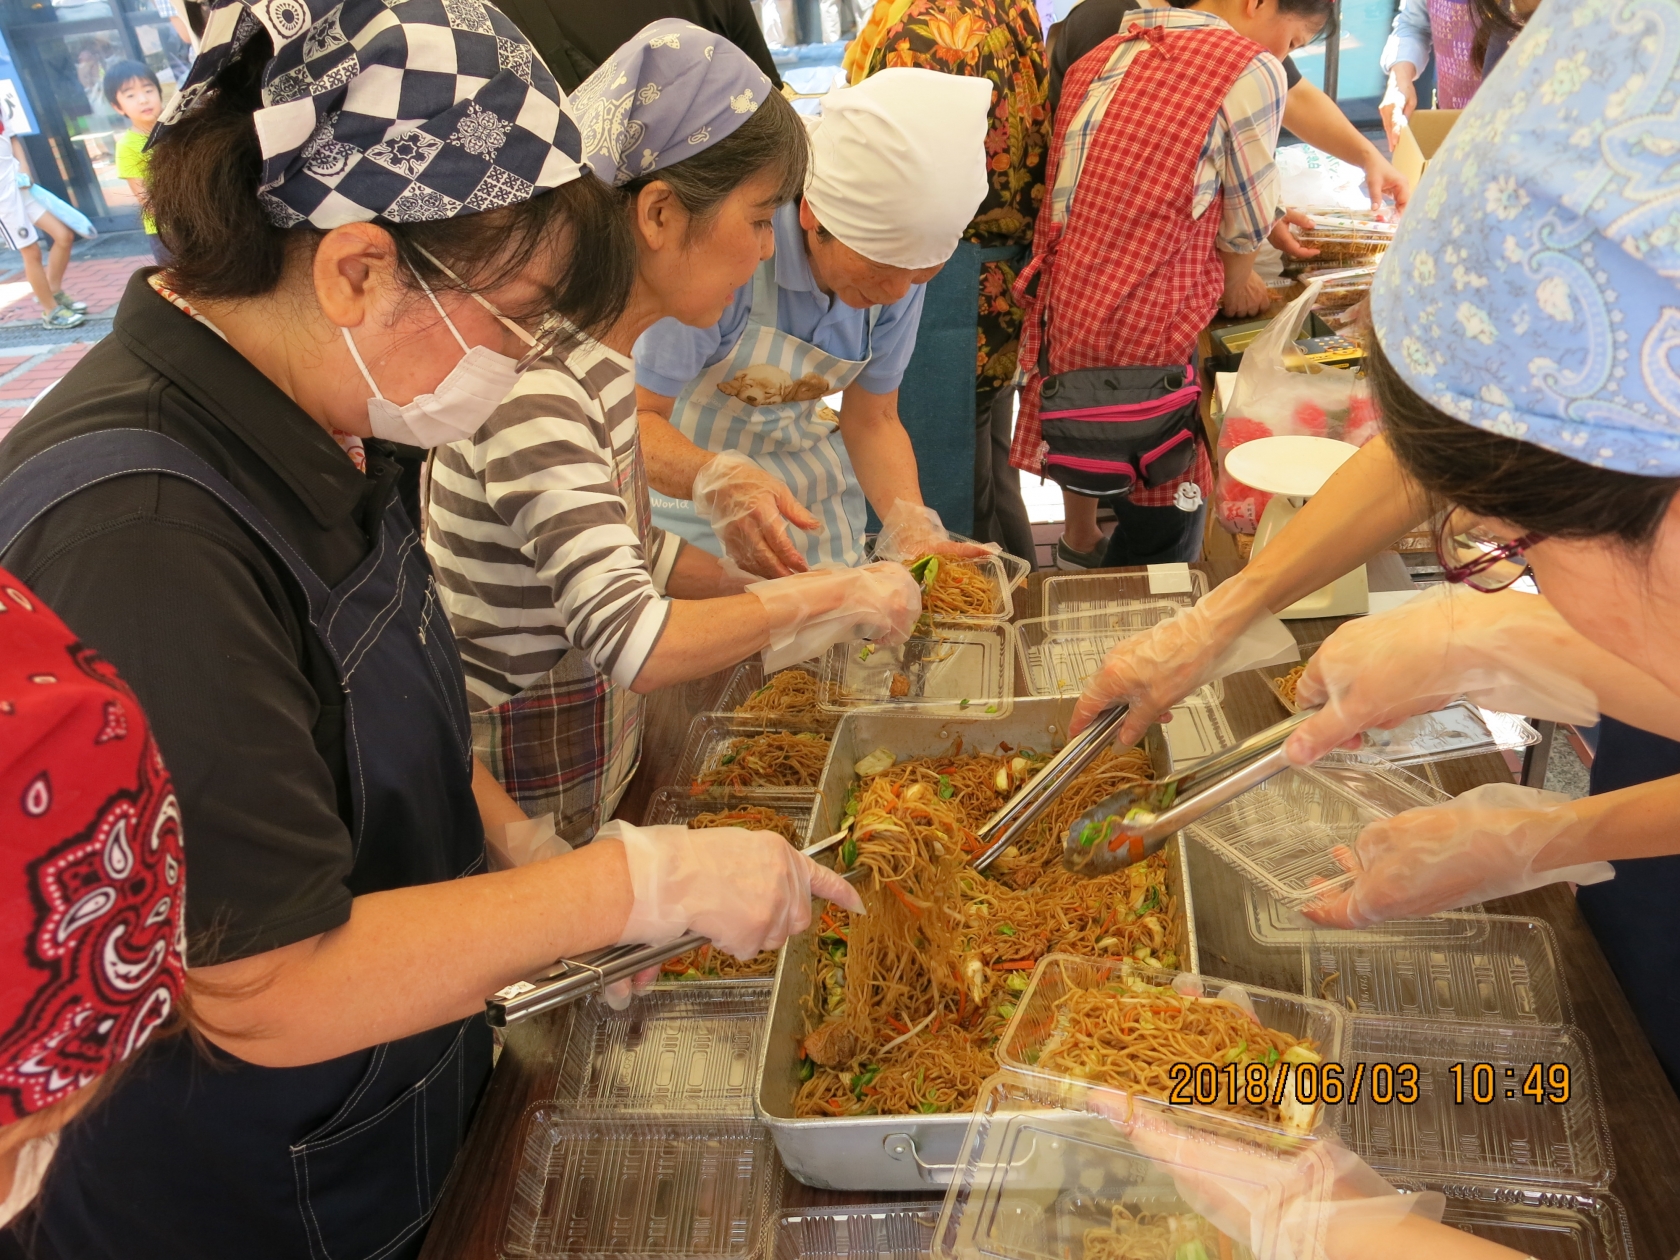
[{"x": 790, "y": 440}]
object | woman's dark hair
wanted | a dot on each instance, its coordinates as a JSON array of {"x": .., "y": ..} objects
[
  {"x": 1491, "y": 17},
  {"x": 772, "y": 142},
  {"x": 201, "y": 187},
  {"x": 1492, "y": 475},
  {"x": 119, "y": 73}
]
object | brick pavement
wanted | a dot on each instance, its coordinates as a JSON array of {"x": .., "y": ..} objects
[{"x": 99, "y": 282}]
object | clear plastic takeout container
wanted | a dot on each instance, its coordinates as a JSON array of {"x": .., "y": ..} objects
[
  {"x": 1500, "y": 969},
  {"x": 1007, "y": 572},
  {"x": 1060, "y": 654},
  {"x": 963, "y": 669},
  {"x": 1036, "y": 1024},
  {"x": 1285, "y": 833},
  {"x": 689, "y": 1049},
  {"x": 745, "y": 681},
  {"x": 1100, "y": 594},
  {"x": 713, "y": 737},
  {"x": 593, "y": 1186},
  {"x": 680, "y": 805},
  {"x": 868, "y": 1231}
]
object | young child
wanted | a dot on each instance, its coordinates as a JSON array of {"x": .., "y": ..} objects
[
  {"x": 20, "y": 218},
  {"x": 1197, "y": 185},
  {"x": 133, "y": 91}
]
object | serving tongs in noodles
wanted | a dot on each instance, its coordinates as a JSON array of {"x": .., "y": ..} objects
[{"x": 1137, "y": 821}]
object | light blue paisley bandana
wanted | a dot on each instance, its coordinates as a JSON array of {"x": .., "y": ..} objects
[
  {"x": 1533, "y": 289},
  {"x": 671, "y": 91}
]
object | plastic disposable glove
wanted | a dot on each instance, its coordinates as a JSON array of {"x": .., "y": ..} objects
[
  {"x": 747, "y": 507},
  {"x": 617, "y": 995},
  {"x": 1378, "y": 671},
  {"x": 1323, "y": 1201},
  {"x": 810, "y": 612},
  {"x": 746, "y": 891},
  {"x": 1490, "y": 842},
  {"x": 910, "y": 531},
  {"x": 521, "y": 843},
  {"x": 1154, "y": 670}
]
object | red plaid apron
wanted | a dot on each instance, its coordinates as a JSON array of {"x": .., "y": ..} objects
[{"x": 1130, "y": 278}]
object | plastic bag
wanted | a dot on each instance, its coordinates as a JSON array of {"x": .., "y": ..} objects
[
  {"x": 1272, "y": 401},
  {"x": 1309, "y": 179}
]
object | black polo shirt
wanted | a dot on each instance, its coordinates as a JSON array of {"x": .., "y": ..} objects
[
  {"x": 1091, "y": 23},
  {"x": 211, "y": 631}
]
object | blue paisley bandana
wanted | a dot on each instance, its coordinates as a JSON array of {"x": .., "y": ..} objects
[
  {"x": 401, "y": 110},
  {"x": 1532, "y": 287},
  {"x": 666, "y": 94}
]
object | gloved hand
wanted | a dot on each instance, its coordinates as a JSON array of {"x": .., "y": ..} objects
[
  {"x": 1490, "y": 842},
  {"x": 521, "y": 843},
  {"x": 1323, "y": 1201},
  {"x": 1380, "y": 670},
  {"x": 744, "y": 890},
  {"x": 1224, "y": 634},
  {"x": 746, "y": 507},
  {"x": 617, "y": 995},
  {"x": 810, "y": 612},
  {"x": 910, "y": 531}
]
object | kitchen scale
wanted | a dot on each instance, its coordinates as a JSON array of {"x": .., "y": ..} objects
[{"x": 1292, "y": 470}]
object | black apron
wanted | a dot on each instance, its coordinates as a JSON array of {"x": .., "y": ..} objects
[
  {"x": 1634, "y": 915},
  {"x": 202, "y": 1155}
]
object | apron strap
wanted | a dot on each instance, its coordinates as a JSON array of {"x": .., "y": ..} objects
[{"x": 46, "y": 479}]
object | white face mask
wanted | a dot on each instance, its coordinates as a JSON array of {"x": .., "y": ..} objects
[{"x": 459, "y": 406}]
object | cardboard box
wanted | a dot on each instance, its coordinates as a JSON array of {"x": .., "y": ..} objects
[{"x": 1420, "y": 139}]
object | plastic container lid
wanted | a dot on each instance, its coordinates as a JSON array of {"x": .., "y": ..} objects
[
  {"x": 1007, "y": 572},
  {"x": 1034, "y": 1026},
  {"x": 1283, "y": 833},
  {"x": 691, "y": 1048},
  {"x": 1270, "y": 922},
  {"x": 1059, "y": 654},
  {"x": 1198, "y": 729},
  {"x": 600, "y": 1186},
  {"x": 1507, "y": 1140},
  {"x": 883, "y": 1231},
  {"x": 1080, "y": 594},
  {"x": 966, "y": 669},
  {"x": 1503, "y": 970},
  {"x": 748, "y": 677}
]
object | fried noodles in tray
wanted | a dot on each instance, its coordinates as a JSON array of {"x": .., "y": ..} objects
[
  {"x": 794, "y": 694},
  {"x": 910, "y": 999},
  {"x": 706, "y": 963},
  {"x": 1285, "y": 688},
  {"x": 953, "y": 589},
  {"x": 774, "y": 759},
  {"x": 1145, "y": 1235}
]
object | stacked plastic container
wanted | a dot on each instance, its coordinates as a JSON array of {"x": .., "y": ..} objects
[{"x": 649, "y": 1148}]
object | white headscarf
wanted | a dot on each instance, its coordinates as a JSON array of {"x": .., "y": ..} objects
[{"x": 898, "y": 164}]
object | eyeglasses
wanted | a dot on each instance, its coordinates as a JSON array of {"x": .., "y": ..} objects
[
  {"x": 548, "y": 333},
  {"x": 1473, "y": 556}
]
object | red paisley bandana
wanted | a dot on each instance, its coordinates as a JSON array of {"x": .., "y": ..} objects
[{"x": 92, "y": 875}]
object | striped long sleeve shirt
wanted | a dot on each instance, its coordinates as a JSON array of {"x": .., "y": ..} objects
[{"x": 536, "y": 529}]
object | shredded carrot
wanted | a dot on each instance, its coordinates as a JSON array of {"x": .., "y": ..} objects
[
  {"x": 898, "y": 892},
  {"x": 1020, "y": 964},
  {"x": 896, "y": 1026}
]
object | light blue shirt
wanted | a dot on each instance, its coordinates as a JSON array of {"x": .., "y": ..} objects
[
  {"x": 1410, "y": 39},
  {"x": 670, "y": 355}
]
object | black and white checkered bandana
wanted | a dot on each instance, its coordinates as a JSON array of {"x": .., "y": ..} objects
[{"x": 402, "y": 110}]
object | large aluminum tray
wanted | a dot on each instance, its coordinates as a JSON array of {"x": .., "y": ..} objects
[{"x": 898, "y": 1152}]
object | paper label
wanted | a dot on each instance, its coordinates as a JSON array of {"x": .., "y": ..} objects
[{"x": 1169, "y": 579}]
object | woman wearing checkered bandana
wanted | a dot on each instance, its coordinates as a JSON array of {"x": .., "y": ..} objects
[{"x": 379, "y": 218}]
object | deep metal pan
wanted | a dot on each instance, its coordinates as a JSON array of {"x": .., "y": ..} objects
[{"x": 899, "y": 1152}]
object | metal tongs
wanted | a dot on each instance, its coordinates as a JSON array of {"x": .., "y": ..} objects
[
  {"x": 1132, "y": 824},
  {"x": 574, "y": 978}
]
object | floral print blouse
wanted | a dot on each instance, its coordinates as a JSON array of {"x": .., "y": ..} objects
[{"x": 1000, "y": 40}]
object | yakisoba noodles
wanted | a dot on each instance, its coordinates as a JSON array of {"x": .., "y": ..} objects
[
  {"x": 793, "y": 693},
  {"x": 1129, "y": 1034},
  {"x": 910, "y": 999},
  {"x": 953, "y": 588},
  {"x": 1144, "y": 1235},
  {"x": 774, "y": 759},
  {"x": 706, "y": 963},
  {"x": 1285, "y": 687}
]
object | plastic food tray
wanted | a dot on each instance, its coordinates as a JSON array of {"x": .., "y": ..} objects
[
  {"x": 600, "y": 1186},
  {"x": 1461, "y": 729},
  {"x": 1007, "y": 572},
  {"x": 710, "y": 737},
  {"x": 1080, "y": 594},
  {"x": 1270, "y": 922},
  {"x": 747, "y": 678},
  {"x": 679, "y": 805},
  {"x": 965, "y": 669},
  {"x": 1510, "y": 1140},
  {"x": 1283, "y": 834},
  {"x": 689, "y": 1049},
  {"x": 1060, "y": 974},
  {"x": 1503, "y": 972},
  {"x": 1198, "y": 729},
  {"x": 1058, "y": 654},
  {"x": 885, "y": 1231}
]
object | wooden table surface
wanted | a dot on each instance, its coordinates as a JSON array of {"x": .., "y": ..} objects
[{"x": 1644, "y": 1114}]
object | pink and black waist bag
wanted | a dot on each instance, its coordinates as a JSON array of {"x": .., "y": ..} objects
[{"x": 1110, "y": 430}]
